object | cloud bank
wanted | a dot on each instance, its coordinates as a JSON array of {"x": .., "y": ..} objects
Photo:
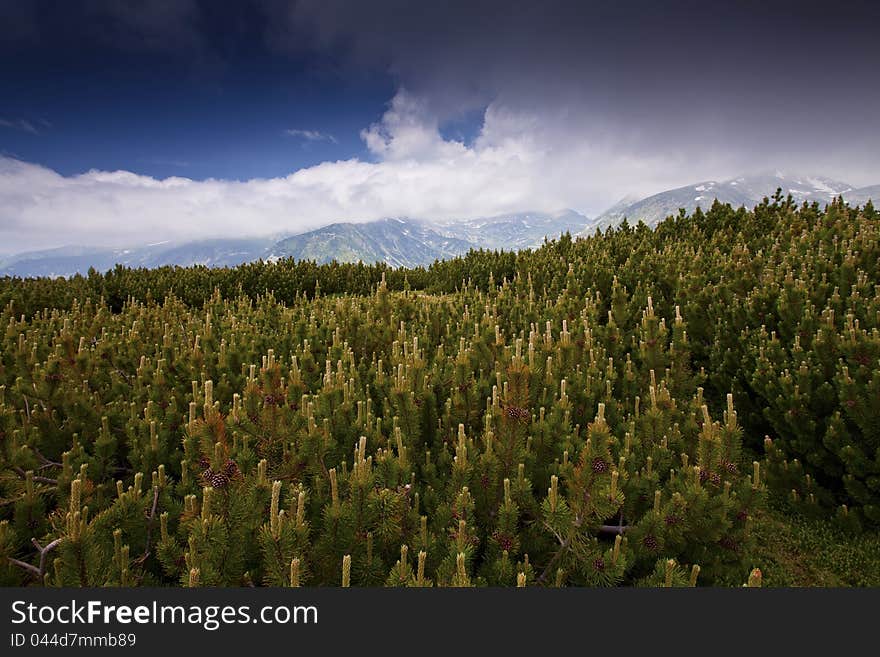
[
  {"x": 519, "y": 160},
  {"x": 514, "y": 163}
]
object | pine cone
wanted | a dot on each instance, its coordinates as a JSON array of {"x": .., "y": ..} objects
[
  {"x": 505, "y": 541},
  {"x": 650, "y": 541},
  {"x": 218, "y": 480},
  {"x": 222, "y": 478},
  {"x": 599, "y": 465}
]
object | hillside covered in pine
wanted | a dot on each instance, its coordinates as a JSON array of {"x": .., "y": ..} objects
[{"x": 625, "y": 408}]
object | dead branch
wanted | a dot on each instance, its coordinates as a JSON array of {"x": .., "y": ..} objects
[
  {"x": 40, "y": 571},
  {"x": 42, "y": 480},
  {"x": 151, "y": 519}
]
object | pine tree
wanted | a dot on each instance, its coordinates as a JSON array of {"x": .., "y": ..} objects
[{"x": 558, "y": 416}]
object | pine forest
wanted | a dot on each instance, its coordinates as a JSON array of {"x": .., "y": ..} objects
[{"x": 639, "y": 407}]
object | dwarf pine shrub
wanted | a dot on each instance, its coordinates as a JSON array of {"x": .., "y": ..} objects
[{"x": 601, "y": 411}]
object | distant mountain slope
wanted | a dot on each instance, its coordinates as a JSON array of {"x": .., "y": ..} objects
[
  {"x": 409, "y": 243},
  {"x": 396, "y": 242},
  {"x": 746, "y": 190},
  {"x": 801, "y": 187},
  {"x": 654, "y": 208},
  {"x": 862, "y": 195},
  {"x": 63, "y": 261},
  {"x": 515, "y": 231},
  {"x": 67, "y": 261}
]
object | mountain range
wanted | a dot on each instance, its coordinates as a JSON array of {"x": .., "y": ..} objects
[
  {"x": 398, "y": 242},
  {"x": 408, "y": 242},
  {"x": 743, "y": 191},
  {"x": 514, "y": 231},
  {"x": 69, "y": 260}
]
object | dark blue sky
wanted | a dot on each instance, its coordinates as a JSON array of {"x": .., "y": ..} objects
[{"x": 76, "y": 97}]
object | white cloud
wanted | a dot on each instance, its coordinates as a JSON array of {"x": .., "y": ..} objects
[
  {"x": 409, "y": 132},
  {"x": 311, "y": 135},
  {"x": 519, "y": 161}
]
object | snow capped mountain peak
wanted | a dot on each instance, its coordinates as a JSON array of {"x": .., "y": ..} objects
[
  {"x": 745, "y": 190},
  {"x": 516, "y": 230}
]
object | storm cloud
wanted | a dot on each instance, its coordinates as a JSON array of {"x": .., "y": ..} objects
[{"x": 740, "y": 84}]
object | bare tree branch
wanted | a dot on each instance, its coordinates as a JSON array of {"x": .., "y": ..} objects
[
  {"x": 44, "y": 553},
  {"x": 46, "y": 462},
  {"x": 28, "y": 567},
  {"x": 43, "y": 480},
  {"x": 151, "y": 519}
]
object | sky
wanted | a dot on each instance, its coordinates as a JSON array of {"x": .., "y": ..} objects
[{"x": 125, "y": 122}]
